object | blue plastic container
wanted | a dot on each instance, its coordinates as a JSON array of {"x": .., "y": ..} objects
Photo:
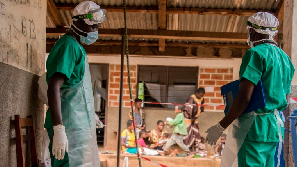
[
  {"x": 293, "y": 119},
  {"x": 230, "y": 91}
]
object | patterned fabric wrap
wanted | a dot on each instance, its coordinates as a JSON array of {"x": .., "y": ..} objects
[{"x": 191, "y": 114}]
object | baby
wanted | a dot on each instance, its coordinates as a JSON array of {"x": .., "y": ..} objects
[
  {"x": 163, "y": 140},
  {"x": 201, "y": 149}
]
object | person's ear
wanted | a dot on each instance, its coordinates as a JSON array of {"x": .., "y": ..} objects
[{"x": 253, "y": 34}]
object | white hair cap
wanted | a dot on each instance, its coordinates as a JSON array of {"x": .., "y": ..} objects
[
  {"x": 264, "y": 23},
  {"x": 89, "y": 7},
  {"x": 85, "y": 7}
]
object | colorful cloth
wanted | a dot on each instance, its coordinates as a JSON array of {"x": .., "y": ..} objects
[
  {"x": 129, "y": 138},
  {"x": 141, "y": 142},
  {"x": 179, "y": 124},
  {"x": 191, "y": 114},
  {"x": 154, "y": 137},
  {"x": 131, "y": 150}
]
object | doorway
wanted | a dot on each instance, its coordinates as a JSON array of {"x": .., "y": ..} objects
[{"x": 99, "y": 77}]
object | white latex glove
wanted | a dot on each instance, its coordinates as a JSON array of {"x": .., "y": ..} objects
[
  {"x": 98, "y": 122},
  {"x": 214, "y": 133},
  {"x": 60, "y": 142}
]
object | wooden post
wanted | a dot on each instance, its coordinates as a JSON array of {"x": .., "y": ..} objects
[
  {"x": 289, "y": 31},
  {"x": 120, "y": 101}
]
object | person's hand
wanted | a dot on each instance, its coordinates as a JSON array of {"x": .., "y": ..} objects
[
  {"x": 214, "y": 133},
  {"x": 60, "y": 142},
  {"x": 142, "y": 128}
]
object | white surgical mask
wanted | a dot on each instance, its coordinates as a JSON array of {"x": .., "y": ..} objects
[
  {"x": 249, "y": 42},
  {"x": 91, "y": 36}
]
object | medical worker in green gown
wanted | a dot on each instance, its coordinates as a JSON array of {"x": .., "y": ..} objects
[
  {"x": 70, "y": 120},
  {"x": 253, "y": 137}
]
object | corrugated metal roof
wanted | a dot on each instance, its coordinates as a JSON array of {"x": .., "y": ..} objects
[
  {"x": 210, "y": 23},
  {"x": 115, "y": 20},
  {"x": 114, "y": 2},
  {"x": 189, "y": 22},
  {"x": 228, "y": 4},
  {"x": 216, "y": 23}
]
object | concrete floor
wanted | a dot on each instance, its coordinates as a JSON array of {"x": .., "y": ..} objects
[{"x": 110, "y": 160}]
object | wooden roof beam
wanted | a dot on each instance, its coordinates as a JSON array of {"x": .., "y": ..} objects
[
  {"x": 155, "y": 43},
  {"x": 166, "y": 34},
  {"x": 170, "y": 51},
  {"x": 172, "y": 10},
  {"x": 162, "y": 22},
  {"x": 54, "y": 14}
]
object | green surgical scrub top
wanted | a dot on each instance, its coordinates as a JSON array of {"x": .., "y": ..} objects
[
  {"x": 67, "y": 56},
  {"x": 270, "y": 64}
]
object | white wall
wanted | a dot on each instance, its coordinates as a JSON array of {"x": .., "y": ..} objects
[{"x": 23, "y": 34}]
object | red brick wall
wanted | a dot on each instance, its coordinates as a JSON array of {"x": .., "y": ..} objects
[
  {"x": 114, "y": 85},
  {"x": 208, "y": 77},
  {"x": 214, "y": 77}
]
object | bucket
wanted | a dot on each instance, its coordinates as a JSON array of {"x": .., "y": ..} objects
[{"x": 293, "y": 118}]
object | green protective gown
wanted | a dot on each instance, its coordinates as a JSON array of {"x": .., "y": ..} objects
[
  {"x": 274, "y": 67},
  {"x": 77, "y": 107},
  {"x": 253, "y": 137}
]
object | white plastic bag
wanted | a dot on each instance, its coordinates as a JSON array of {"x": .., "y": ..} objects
[{"x": 169, "y": 119}]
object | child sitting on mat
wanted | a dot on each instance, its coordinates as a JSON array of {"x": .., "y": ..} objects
[
  {"x": 144, "y": 148},
  {"x": 201, "y": 149},
  {"x": 220, "y": 146}
]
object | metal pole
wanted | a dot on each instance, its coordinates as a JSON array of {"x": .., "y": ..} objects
[{"x": 120, "y": 101}]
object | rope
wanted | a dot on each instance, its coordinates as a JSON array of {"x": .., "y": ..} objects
[
  {"x": 129, "y": 83},
  {"x": 162, "y": 165}
]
